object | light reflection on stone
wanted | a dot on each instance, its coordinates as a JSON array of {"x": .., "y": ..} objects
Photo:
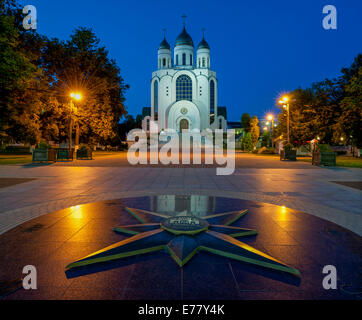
[{"x": 174, "y": 205}]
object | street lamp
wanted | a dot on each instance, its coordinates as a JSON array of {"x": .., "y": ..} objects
[
  {"x": 73, "y": 96},
  {"x": 285, "y": 102},
  {"x": 270, "y": 117},
  {"x": 76, "y": 96}
]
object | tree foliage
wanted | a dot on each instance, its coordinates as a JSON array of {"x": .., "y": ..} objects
[
  {"x": 80, "y": 65},
  {"x": 245, "y": 122},
  {"x": 246, "y": 142},
  {"x": 128, "y": 124},
  {"x": 18, "y": 73},
  {"x": 330, "y": 109},
  {"x": 38, "y": 74},
  {"x": 254, "y": 130}
]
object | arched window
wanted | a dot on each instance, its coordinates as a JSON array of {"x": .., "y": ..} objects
[
  {"x": 212, "y": 96},
  {"x": 183, "y": 88},
  {"x": 208, "y": 62},
  {"x": 184, "y": 59},
  {"x": 190, "y": 59},
  {"x": 203, "y": 62},
  {"x": 155, "y": 99},
  {"x": 176, "y": 59},
  {"x": 164, "y": 62}
]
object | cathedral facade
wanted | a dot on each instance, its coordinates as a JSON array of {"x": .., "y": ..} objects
[{"x": 184, "y": 89}]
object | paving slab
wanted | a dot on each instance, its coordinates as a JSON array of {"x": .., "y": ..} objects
[{"x": 303, "y": 241}]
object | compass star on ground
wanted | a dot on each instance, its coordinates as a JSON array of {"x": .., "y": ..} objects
[{"x": 183, "y": 236}]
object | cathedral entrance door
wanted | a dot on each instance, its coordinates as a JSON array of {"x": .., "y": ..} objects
[{"x": 184, "y": 125}]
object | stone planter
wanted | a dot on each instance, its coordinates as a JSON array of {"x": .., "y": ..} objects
[
  {"x": 44, "y": 155},
  {"x": 64, "y": 154},
  {"x": 324, "y": 158},
  {"x": 290, "y": 155},
  {"x": 84, "y": 154}
]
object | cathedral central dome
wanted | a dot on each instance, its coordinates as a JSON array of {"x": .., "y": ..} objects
[{"x": 184, "y": 39}]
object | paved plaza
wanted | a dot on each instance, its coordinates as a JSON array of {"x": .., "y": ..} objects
[
  {"x": 54, "y": 214},
  {"x": 296, "y": 185},
  {"x": 298, "y": 240}
]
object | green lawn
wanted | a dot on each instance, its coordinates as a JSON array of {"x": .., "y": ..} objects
[
  {"x": 342, "y": 161},
  {"x": 24, "y": 159},
  {"x": 15, "y": 159},
  {"x": 101, "y": 154}
]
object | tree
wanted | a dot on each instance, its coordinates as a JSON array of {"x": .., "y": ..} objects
[
  {"x": 254, "y": 130},
  {"x": 246, "y": 142},
  {"x": 128, "y": 124},
  {"x": 266, "y": 139},
  {"x": 302, "y": 117},
  {"x": 350, "y": 123},
  {"x": 81, "y": 65},
  {"x": 245, "y": 122},
  {"x": 329, "y": 109},
  {"x": 19, "y": 104}
]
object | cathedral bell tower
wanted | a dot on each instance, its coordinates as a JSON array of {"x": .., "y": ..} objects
[{"x": 164, "y": 54}]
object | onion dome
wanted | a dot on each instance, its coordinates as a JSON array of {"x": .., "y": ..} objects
[
  {"x": 184, "y": 39},
  {"x": 203, "y": 44},
  {"x": 164, "y": 44}
]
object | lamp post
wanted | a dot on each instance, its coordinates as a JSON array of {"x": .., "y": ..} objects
[
  {"x": 285, "y": 103},
  {"x": 78, "y": 97},
  {"x": 271, "y": 119}
]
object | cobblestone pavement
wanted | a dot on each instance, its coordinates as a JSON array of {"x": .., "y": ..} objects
[{"x": 58, "y": 187}]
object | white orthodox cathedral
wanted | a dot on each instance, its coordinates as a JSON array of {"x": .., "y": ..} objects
[{"x": 184, "y": 89}]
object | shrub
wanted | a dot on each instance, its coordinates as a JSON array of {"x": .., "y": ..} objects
[
  {"x": 268, "y": 151},
  {"x": 83, "y": 147},
  {"x": 123, "y": 146},
  {"x": 43, "y": 145},
  {"x": 323, "y": 148}
]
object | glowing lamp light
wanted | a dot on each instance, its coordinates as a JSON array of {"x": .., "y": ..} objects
[
  {"x": 76, "y": 96},
  {"x": 284, "y": 100},
  {"x": 270, "y": 117}
]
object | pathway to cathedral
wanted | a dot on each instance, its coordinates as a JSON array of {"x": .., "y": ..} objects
[
  {"x": 266, "y": 179},
  {"x": 53, "y": 215}
]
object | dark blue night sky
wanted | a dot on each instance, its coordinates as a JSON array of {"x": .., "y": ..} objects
[{"x": 259, "y": 49}]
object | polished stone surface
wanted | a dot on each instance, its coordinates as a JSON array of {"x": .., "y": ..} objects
[{"x": 303, "y": 241}]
